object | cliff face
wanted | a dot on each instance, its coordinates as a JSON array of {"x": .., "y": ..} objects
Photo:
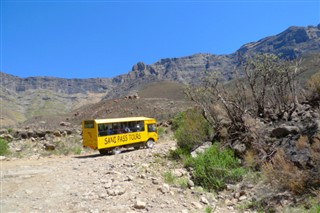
[
  {"x": 291, "y": 43},
  {"x": 23, "y": 98},
  {"x": 59, "y": 85}
]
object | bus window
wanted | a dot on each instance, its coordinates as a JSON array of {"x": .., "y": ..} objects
[
  {"x": 152, "y": 128},
  {"x": 139, "y": 126}
]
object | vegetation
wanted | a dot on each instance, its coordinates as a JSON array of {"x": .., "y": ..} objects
[
  {"x": 313, "y": 85},
  {"x": 215, "y": 168},
  {"x": 191, "y": 129},
  {"x": 266, "y": 90},
  {"x": 169, "y": 177},
  {"x": 161, "y": 131},
  {"x": 4, "y": 147}
]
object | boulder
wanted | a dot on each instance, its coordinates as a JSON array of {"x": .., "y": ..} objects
[
  {"x": 57, "y": 133},
  {"x": 63, "y": 123},
  {"x": 6, "y": 136},
  {"x": 201, "y": 149},
  {"x": 284, "y": 130},
  {"x": 140, "y": 205},
  {"x": 49, "y": 146}
]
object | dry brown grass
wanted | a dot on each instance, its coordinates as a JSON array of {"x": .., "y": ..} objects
[
  {"x": 249, "y": 159},
  {"x": 283, "y": 174},
  {"x": 302, "y": 142},
  {"x": 314, "y": 83}
]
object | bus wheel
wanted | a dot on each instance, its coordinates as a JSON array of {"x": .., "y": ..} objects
[
  {"x": 103, "y": 151},
  {"x": 150, "y": 144},
  {"x": 116, "y": 150},
  {"x": 136, "y": 146}
]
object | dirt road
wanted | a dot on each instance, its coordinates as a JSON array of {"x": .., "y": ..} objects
[{"x": 132, "y": 181}]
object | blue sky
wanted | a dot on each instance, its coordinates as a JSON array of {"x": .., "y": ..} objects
[{"x": 87, "y": 39}]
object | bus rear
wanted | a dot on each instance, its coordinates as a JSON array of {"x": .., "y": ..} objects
[{"x": 89, "y": 134}]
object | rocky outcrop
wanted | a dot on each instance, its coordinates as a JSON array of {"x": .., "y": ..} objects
[
  {"x": 59, "y": 85},
  {"x": 290, "y": 44}
]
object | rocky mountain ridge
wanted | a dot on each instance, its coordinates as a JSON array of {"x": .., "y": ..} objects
[{"x": 23, "y": 98}]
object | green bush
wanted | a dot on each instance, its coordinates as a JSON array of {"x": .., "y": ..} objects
[
  {"x": 161, "y": 131},
  {"x": 169, "y": 177},
  {"x": 178, "y": 154},
  {"x": 4, "y": 147},
  {"x": 191, "y": 129},
  {"x": 215, "y": 168}
]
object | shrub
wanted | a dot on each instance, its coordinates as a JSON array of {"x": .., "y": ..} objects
[
  {"x": 314, "y": 83},
  {"x": 169, "y": 177},
  {"x": 161, "y": 130},
  {"x": 178, "y": 154},
  {"x": 214, "y": 168},
  {"x": 4, "y": 147},
  {"x": 191, "y": 129},
  {"x": 283, "y": 174}
]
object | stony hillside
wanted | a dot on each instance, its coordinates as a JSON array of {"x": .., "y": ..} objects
[
  {"x": 24, "y": 98},
  {"x": 161, "y": 100}
]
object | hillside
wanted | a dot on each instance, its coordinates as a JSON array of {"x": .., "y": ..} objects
[{"x": 25, "y": 98}]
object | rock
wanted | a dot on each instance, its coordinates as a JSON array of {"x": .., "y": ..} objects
[
  {"x": 57, "y": 133},
  {"x": 139, "y": 204},
  {"x": 284, "y": 130},
  {"x": 178, "y": 172},
  {"x": 197, "y": 205},
  {"x": 129, "y": 178},
  {"x": 204, "y": 200},
  {"x": 164, "y": 189},
  {"x": 49, "y": 146},
  {"x": 201, "y": 149},
  {"x": 35, "y": 157},
  {"x": 142, "y": 176},
  {"x": 6, "y": 136},
  {"x": 243, "y": 197},
  {"x": 2, "y": 158},
  {"x": 239, "y": 147},
  {"x": 63, "y": 123},
  {"x": 190, "y": 183},
  {"x": 121, "y": 191},
  {"x": 103, "y": 195},
  {"x": 29, "y": 192},
  {"x": 155, "y": 181},
  {"x": 111, "y": 192},
  {"x": 232, "y": 202}
]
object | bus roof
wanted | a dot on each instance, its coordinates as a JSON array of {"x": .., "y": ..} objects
[{"x": 127, "y": 119}]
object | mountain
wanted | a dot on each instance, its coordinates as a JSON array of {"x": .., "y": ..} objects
[
  {"x": 291, "y": 43},
  {"x": 25, "y": 98}
]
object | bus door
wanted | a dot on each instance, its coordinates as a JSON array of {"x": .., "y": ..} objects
[{"x": 89, "y": 134}]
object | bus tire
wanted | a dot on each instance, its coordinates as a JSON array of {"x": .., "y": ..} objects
[
  {"x": 137, "y": 146},
  {"x": 116, "y": 150},
  {"x": 103, "y": 151},
  {"x": 150, "y": 144}
]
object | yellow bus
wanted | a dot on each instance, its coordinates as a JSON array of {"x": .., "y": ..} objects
[{"x": 110, "y": 135}]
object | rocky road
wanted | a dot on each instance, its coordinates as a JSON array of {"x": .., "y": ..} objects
[{"x": 132, "y": 181}]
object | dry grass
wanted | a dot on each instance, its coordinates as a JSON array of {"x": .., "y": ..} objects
[
  {"x": 283, "y": 174},
  {"x": 249, "y": 159},
  {"x": 313, "y": 83},
  {"x": 303, "y": 142}
]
